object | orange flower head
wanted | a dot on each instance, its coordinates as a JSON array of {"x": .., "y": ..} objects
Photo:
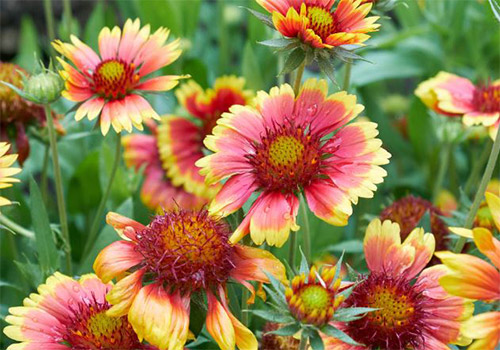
[
  {"x": 484, "y": 217},
  {"x": 187, "y": 249},
  {"x": 313, "y": 299},
  {"x": 272, "y": 341},
  {"x": 111, "y": 85},
  {"x": 320, "y": 25},
  {"x": 408, "y": 212}
]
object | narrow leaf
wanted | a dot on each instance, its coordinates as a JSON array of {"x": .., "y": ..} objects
[
  {"x": 287, "y": 330},
  {"x": 304, "y": 266},
  {"x": 425, "y": 222},
  {"x": 272, "y": 316},
  {"x": 338, "y": 334},
  {"x": 48, "y": 255},
  {"x": 351, "y": 246},
  {"x": 327, "y": 67},
  {"x": 261, "y": 17},
  {"x": 293, "y": 60},
  {"x": 316, "y": 341},
  {"x": 279, "y": 42}
]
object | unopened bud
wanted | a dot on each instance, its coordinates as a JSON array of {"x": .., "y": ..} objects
[{"x": 45, "y": 87}]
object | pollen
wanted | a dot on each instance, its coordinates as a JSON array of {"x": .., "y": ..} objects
[
  {"x": 114, "y": 79},
  {"x": 321, "y": 21},
  {"x": 285, "y": 151},
  {"x": 187, "y": 249},
  {"x": 101, "y": 325},
  {"x": 393, "y": 310}
]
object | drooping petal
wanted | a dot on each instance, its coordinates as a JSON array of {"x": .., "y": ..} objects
[
  {"x": 219, "y": 324},
  {"x": 122, "y": 295},
  {"x": 328, "y": 202},
  {"x": 115, "y": 259},
  {"x": 120, "y": 223}
]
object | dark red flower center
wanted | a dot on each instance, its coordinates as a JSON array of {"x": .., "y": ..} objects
[
  {"x": 487, "y": 98},
  {"x": 400, "y": 319},
  {"x": 91, "y": 329},
  {"x": 321, "y": 21},
  {"x": 187, "y": 250},
  {"x": 114, "y": 78},
  {"x": 287, "y": 158}
]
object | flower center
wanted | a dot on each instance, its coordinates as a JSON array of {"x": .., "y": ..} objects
[
  {"x": 399, "y": 321},
  {"x": 188, "y": 250},
  {"x": 286, "y": 159},
  {"x": 92, "y": 329},
  {"x": 321, "y": 21},
  {"x": 114, "y": 79},
  {"x": 487, "y": 98},
  {"x": 315, "y": 297}
]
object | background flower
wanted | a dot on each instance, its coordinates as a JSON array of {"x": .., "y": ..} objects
[{"x": 6, "y": 171}]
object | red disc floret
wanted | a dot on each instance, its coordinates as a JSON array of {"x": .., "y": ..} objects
[
  {"x": 114, "y": 78},
  {"x": 187, "y": 250},
  {"x": 487, "y": 98}
]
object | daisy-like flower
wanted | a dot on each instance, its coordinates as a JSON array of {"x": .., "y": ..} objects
[
  {"x": 16, "y": 113},
  {"x": 316, "y": 23},
  {"x": 413, "y": 312},
  {"x": 454, "y": 96},
  {"x": 287, "y": 144},
  {"x": 70, "y": 314},
  {"x": 181, "y": 140},
  {"x": 6, "y": 170},
  {"x": 109, "y": 86},
  {"x": 471, "y": 277},
  {"x": 485, "y": 216},
  {"x": 160, "y": 266},
  {"x": 407, "y": 213},
  {"x": 158, "y": 191}
]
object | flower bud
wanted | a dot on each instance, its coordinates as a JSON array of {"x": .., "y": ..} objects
[{"x": 45, "y": 87}]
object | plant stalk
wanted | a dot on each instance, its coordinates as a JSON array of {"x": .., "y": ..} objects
[
  {"x": 306, "y": 232},
  {"x": 347, "y": 76},
  {"x": 49, "y": 19},
  {"x": 97, "y": 218},
  {"x": 298, "y": 78},
  {"x": 67, "y": 14},
  {"x": 490, "y": 166},
  {"x": 291, "y": 250},
  {"x": 44, "y": 178},
  {"x": 476, "y": 169},
  {"x": 61, "y": 206},
  {"x": 15, "y": 227},
  {"x": 443, "y": 167}
]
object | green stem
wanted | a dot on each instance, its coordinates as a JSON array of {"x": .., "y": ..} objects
[
  {"x": 306, "y": 232},
  {"x": 490, "y": 166},
  {"x": 61, "y": 206},
  {"x": 476, "y": 169},
  {"x": 245, "y": 294},
  {"x": 222, "y": 39},
  {"x": 291, "y": 250},
  {"x": 49, "y": 19},
  {"x": 44, "y": 179},
  {"x": 298, "y": 78},
  {"x": 98, "y": 215},
  {"x": 15, "y": 227},
  {"x": 443, "y": 167},
  {"x": 303, "y": 342},
  {"x": 67, "y": 14},
  {"x": 281, "y": 63},
  {"x": 347, "y": 76}
]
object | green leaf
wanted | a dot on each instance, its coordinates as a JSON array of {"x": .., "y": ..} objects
[
  {"x": 304, "y": 266},
  {"x": 48, "y": 256},
  {"x": 294, "y": 59},
  {"x": 251, "y": 68},
  {"x": 262, "y": 17},
  {"x": 316, "y": 341},
  {"x": 279, "y": 42},
  {"x": 28, "y": 45},
  {"x": 197, "y": 69},
  {"x": 351, "y": 314},
  {"x": 495, "y": 7},
  {"x": 83, "y": 194},
  {"x": 4, "y": 284},
  {"x": 95, "y": 23},
  {"x": 273, "y": 316},
  {"x": 287, "y": 330},
  {"x": 351, "y": 246},
  {"x": 277, "y": 297},
  {"x": 338, "y": 334},
  {"x": 425, "y": 222},
  {"x": 328, "y": 68},
  {"x": 160, "y": 12},
  {"x": 421, "y": 130},
  {"x": 30, "y": 272}
]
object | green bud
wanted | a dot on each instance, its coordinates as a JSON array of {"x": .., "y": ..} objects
[{"x": 45, "y": 87}]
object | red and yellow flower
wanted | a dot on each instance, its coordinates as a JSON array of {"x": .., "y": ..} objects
[
  {"x": 16, "y": 113},
  {"x": 108, "y": 86},
  {"x": 485, "y": 216},
  {"x": 180, "y": 140},
  {"x": 161, "y": 265},
  {"x": 412, "y": 312},
  {"x": 70, "y": 314},
  {"x": 6, "y": 170},
  {"x": 315, "y": 23},
  {"x": 454, "y": 96},
  {"x": 158, "y": 192},
  {"x": 471, "y": 277},
  {"x": 285, "y": 145}
]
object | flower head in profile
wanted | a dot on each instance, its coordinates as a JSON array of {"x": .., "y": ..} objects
[
  {"x": 413, "y": 310},
  {"x": 471, "y": 277},
  {"x": 161, "y": 265},
  {"x": 180, "y": 140},
  {"x": 66, "y": 313},
  {"x": 485, "y": 217},
  {"x": 455, "y": 96},
  {"x": 6, "y": 170},
  {"x": 287, "y": 144},
  {"x": 157, "y": 192},
  {"x": 17, "y": 113},
  {"x": 321, "y": 25},
  {"x": 108, "y": 85}
]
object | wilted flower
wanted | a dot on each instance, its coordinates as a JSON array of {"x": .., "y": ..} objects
[
  {"x": 70, "y": 314},
  {"x": 285, "y": 146},
  {"x": 412, "y": 312},
  {"x": 180, "y": 140},
  {"x": 162, "y": 265},
  {"x": 6, "y": 171},
  {"x": 454, "y": 96},
  {"x": 158, "y": 191},
  {"x": 17, "y": 113},
  {"x": 109, "y": 85}
]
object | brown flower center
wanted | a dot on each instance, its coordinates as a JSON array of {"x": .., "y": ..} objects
[{"x": 114, "y": 79}]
